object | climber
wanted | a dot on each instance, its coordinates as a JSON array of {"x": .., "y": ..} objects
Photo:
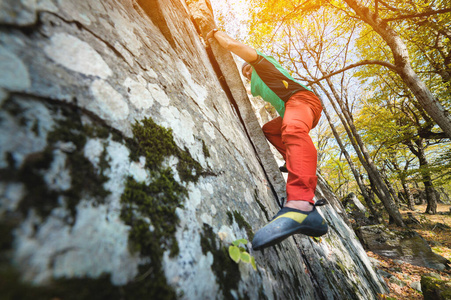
[{"x": 299, "y": 110}]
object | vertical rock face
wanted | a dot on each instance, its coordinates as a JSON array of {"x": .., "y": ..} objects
[{"x": 126, "y": 171}]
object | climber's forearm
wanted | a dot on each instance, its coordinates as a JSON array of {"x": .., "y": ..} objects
[{"x": 244, "y": 51}]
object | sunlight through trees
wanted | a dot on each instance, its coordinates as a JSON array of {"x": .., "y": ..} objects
[{"x": 383, "y": 72}]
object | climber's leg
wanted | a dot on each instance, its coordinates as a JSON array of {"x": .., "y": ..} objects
[
  {"x": 299, "y": 215},
  {"x": 273, "y": 132},
  {"x": 301, "y": 154}
]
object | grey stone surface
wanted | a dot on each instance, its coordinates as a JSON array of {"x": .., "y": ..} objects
[
  {"x": 76, "y": 77},
  {"x": 376, "y": 263},
  {"x": 416, "y": 285},
  {"x": 384, "y": 273},
  {"x": 402, "y": 246},
  {"x": 397, "y": 281}
]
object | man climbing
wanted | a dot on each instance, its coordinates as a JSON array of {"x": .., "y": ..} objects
[{"x": 299, "y": 110}]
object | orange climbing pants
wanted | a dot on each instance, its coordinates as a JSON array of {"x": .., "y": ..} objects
[{"x": 291, "y": 138}]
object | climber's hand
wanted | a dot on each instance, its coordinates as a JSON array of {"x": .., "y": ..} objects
[{"x": 211, "y": 34}]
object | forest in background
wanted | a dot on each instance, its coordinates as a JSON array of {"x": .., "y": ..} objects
[{"x": 383, "y": 72}]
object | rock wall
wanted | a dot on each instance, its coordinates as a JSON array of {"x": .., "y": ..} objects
[{"x": 128, "y": 167}]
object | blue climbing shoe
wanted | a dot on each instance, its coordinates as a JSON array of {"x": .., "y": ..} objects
[{"x": 289, "y": 221}]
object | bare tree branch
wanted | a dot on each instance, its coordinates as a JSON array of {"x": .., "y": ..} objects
[
  {"x": 362, "y": 63},
  {"x": 388, "y": 6},
  {"x": 423, "y": 14},
  {"x": 295, "y": 9},
  {"x": 429, "y": 135}
]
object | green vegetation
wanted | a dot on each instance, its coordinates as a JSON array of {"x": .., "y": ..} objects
[
  {"x": 434, "y": 288},
  {"x": 243, "y": 224},
  {"x": 150, "y": 208},
  {"x": 238, "y": 253},
  {"x": 156, "y": 143},
  {"x": 150, "y": 211},
  {"x": 227, "y": 272},
  {"x": 386, "y": 135},
  {"x": 205, "y": 149},
  {"x": 141, "y": 204},
  {"x": 85, "y": 179}
]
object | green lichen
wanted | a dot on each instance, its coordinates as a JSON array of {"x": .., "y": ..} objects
[
  {"x": 260, "y": 204},
  {"x": 341, "y": 266},
  {"x": 150, "y": 208},
  {"x": 230, "y": 217},
  {"x": 434, "y": 288},
  {"x": 38, "y": 195},
  {"x": 152, "y": 141},
  {"x": 243, "y": 224},
  {"x": 156, "y": 202},
  {"x": 151, "y": 285},
  {"x": 205, "y": 149},
  {"x": 226, "y": 270},
  {"x": 11, "y": 287},
  {"x": 86, "y": 180},
  {"x": 239, "y": 219},
  {"x": 155, "y": 143}
]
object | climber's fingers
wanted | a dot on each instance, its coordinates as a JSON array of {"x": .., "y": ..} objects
[{"x": 210, "y": 35}]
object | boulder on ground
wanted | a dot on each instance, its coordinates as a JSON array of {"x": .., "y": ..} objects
[
  {"x": 435, "y": 289},
  {"x": 407, "y": 246},
  {"x": 357, "y": 211}
]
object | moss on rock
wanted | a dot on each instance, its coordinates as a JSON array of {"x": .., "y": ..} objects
[
  {"x": 150, "y": 208},
  {"x": 11, "y": 287},
  {"x": 260, "y": 204},
  {"x": 435, "y": 289},
  {"x": 226, "y": 270},
  {"x": 243, "y": 225},
  {"x": 86, "y": 179},
  {"x": 150, "y": 211},
  {"x": 155, "y": 142},
  {"x": 205, "y": 149}
]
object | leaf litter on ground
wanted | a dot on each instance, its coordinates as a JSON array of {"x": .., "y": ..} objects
[{"x": 435, "y": 229}]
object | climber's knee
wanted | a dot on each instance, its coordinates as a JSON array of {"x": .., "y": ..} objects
[
  {"x": 272, "y": 127},
  {"x": 298, "y": 128}
]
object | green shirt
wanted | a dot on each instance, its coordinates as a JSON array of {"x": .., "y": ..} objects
[{"x": 272, "y": 82}]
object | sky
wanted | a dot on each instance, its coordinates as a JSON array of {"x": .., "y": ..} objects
[{"x": 235, "y": 14}]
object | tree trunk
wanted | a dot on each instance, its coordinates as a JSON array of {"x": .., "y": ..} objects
[
  {"x": 405, "y": 186},
  {"x": 402, "y": 61},
  {"x": 354, "y": 170},
  {"x": 428, "y": 185},
  {"x": 426, "y": 175},
  {"x": 392, "y": 191},
  {"x": 407, "y": 190},
  {"x": 371, "y": 191},
  {"x": 430, "y": 196},
  {"x": 408, "y": 193},
  {"x": 380, "y": 188}
]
